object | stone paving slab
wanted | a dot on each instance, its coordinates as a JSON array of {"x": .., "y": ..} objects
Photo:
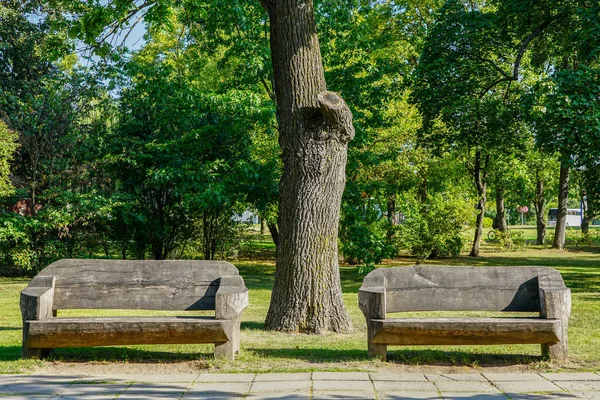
[
  {"x": 580, "y": 386},
  {"x": 466, "y": 377},
  {"x": 465, "y": 386},
  {"x": 221, "y": 387},
  {"x": 86, "y": 389},
  {"x": 527, "y": 387},
  {"x": 474, "y": 396},
  {"x": 302, "y": 376},
  {"x": 33, "y": 388},
  {"x": 280, "y": 386},
  {"x": 543, "y": 396},
  {"x": 120, "y": 378},
  {"x": 571, "y": 376},
  {"x": 207, "y": 377},
  {"x": 48, "y": 379},
  {"x": 362, "y": 386},
  {"x": 277, "y": 396},
  {"x": 140, "y": 396},
  {"x": 75, "y": 397},
  {"x": 387, "y": 386},
  {"x": 341, "y": 395},
  {"x": 588, "y": 395},
  {"x": 403, "y": 377},
  {"x": 341, "y": 376},
  {"x": 512, "y": 377},
  {"x": 173, "y": 388},
  {"x": 409, "y": 395},
  {"x": 29, "y": 398},
  {"x": 6, "y": 379},
  {"x": 212, "y": 395},
  {"x": 168, "y": 378}
]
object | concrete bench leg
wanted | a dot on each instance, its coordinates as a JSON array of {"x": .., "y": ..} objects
[
  {"x": 225, "y": 349},
  {"x": 558, "y": 352},
  {"x": 379, "y": 350},
  {"x": 36, "y": 353}
]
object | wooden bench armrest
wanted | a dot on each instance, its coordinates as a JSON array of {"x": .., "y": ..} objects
[
  {"x": 231, "y": 298},
  {"x": 555, "y": 298},
  {"x": 371, "y": 297},
  {"x": 37, "y": 298},
  {"x": 555, "y": 303}
]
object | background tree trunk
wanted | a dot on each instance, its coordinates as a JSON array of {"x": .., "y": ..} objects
[
  {"x": 263, "y": 226},
  {"x": 540, "y": 211},
  {"x": 586, "y": 218},
  {"x": 501, "y": 210},
  {"x": 480, "y": 176},
  {"x": 315, "y": 127},
  {"x": 563, "y": 197}
]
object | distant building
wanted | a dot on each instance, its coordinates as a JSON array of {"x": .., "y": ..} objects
[{"x": 247, "y": 217}]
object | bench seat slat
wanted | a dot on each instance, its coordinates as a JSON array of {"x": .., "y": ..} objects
[
  {"x": 112, "y": 331},
  {"x": 461, "y": 331}
]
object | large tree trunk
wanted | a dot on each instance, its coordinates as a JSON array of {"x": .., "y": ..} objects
[
  {"x": 480, "y": 177},
  {"x": 540, "y": 211},
  {"x": 315, "y": 127},
  {"x": 501, "y": 211},
  {"x": 563, "y": 197}
]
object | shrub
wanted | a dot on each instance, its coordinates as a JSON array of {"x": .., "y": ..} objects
[
  {"x": 433, "y": 229},
  {"x": 511, "y": 240},
  {"x": 487, "y": 222},
  {"x": 365, "y": 244}
]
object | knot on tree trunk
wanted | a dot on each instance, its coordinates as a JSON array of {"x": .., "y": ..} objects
[{"x": 338, "y": 116}]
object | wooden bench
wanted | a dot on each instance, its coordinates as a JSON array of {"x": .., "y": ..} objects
[
  {"x": 431, "y": 288},
  {"x": 140, "y": 285}
]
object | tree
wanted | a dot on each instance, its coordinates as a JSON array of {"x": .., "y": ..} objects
[
  {"x": 562, "y": 42},
  {"x": 314, "y": 126},
  {"x": 8, "y": 145},
  {"x": 465, "y": 95}
]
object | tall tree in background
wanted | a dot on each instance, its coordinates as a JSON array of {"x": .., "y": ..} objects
[
  {"x": 314, "y": 126},
  {"x": 561, "y": 39},
  {"x": 465, "y": 89}
]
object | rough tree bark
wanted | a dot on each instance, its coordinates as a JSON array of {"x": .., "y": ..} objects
[
  {"x": 391, "y": 211},
  {"x": 540, "y": 211},
  {"x": 563, "y": 197},
  {"x": 500, "y": 210},
  {"x": 315, "y": 127},
  {"x": 480, "y": 176}
]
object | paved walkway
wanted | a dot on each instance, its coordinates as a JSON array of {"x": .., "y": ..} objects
[{"x": 315, "y": 385}]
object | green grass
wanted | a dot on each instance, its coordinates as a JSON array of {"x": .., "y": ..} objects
[{"x": 271, "y": 351}]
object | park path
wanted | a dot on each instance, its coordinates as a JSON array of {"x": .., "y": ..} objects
[{"x": 310, "y": 385}]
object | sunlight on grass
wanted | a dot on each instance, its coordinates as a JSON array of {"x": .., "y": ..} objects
[{"x": 273, "y": 351}]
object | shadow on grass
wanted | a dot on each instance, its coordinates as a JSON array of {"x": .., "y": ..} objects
[
  {"x": 458, "y": 358},
  {"x": 252, "y": 325},
  {"x": 315, "y": 354},
  {"x": 10, "y": 353},
  {"x": 126, "y": 354},
  {"x": 409, "y": 357},
  {"x": 10, "y": 328}
]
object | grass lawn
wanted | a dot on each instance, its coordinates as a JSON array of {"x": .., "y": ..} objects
[{"x": 270, "y": 351}]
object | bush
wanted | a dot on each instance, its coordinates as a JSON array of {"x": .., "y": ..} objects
[
  {"x": 511, "y": 240},
  {"x": 433, "y": 229},
  {"x": 487, "y": 222},
  {"x": 365, "y": 244}
]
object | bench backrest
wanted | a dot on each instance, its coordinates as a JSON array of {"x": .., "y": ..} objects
[
  {"x": 143, "y": 284},
  {"x": 430, "y": 288}
]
